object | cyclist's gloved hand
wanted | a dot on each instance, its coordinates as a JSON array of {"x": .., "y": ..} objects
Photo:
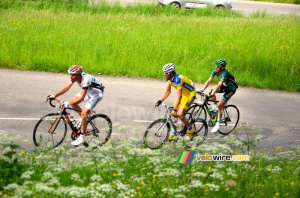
[
  {"x": 51, "y": 96},
  {"x": 174, "y": 112},
  {"x": 208, "y": 96},
  {"x": 66, "y": 104},
  {"x": 157, "y": 103}
]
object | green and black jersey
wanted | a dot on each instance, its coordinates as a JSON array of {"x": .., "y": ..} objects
[{"x": 227, "y": 78}]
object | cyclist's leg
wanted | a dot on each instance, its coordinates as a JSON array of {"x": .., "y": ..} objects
[
  {"x": 186, "y": 102},
  {"x": 94, "y": 99},
  {"x": 76, "y": 105},
  {"x": 227, "y": 95}
]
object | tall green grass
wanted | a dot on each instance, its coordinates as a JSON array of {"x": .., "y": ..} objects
[{"x": 261, "y": 51}]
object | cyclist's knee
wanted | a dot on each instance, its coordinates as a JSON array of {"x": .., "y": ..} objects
[{"x": 84, "y": 113}]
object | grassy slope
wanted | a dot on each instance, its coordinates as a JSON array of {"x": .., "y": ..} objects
[{"x": 261, "y": 51}]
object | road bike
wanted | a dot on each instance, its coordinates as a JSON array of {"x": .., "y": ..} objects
[
  {"x": 229, "y": 120},
  {"x": 52, "y": 128},
  {"x": 158, "y": 132}
]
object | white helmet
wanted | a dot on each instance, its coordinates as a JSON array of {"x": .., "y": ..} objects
[
  {"x": 168, "y": 68},
  {"x": 75, "y": 69}
]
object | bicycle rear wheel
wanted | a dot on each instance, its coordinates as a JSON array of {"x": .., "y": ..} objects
[
  {"x": 98, "y": 130},
  {"x": 157, "y": 134},
  {"x": 50, "y": 129},
  {"x": 196, "y": 111},
  {"x": 200, "y": 133},
  {"x": 230, "y": 119}
]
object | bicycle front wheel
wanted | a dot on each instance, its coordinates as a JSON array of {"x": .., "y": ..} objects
[
  {"x": 51, "y": 129},
  {"x": 230, "y": 119},
  {"x": 200, "y": 133},
  {"x": 98, "y": 130},
  {"x": 157, "y": 134}
]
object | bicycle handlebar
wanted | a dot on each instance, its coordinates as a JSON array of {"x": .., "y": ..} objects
[{"x": 61, "y": 102}]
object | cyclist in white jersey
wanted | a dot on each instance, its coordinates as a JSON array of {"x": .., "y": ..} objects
[{"x": 92, "y": 93}]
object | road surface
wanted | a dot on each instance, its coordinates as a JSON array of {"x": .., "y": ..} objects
[{"x": 129, "y": 102}]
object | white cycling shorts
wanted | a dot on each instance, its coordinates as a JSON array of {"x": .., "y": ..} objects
[{"x": 92, "y": 98}]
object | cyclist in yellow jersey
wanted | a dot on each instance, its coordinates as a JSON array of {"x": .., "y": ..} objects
[{"x": 186, "y": 94}]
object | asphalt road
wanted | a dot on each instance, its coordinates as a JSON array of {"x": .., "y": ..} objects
[
  {"x": 246, "y": 7},
  {"x": 129, "y": 103}
]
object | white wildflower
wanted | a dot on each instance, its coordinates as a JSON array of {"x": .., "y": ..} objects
[
  {"x": 105, "y": 188},
  {"x": 276, "y": 169},
  {"x": 199, "y": 174},
  {"x": 196, "y": 184},
  {"x": 75, "y": 177},
  {"x": 217, "y": 175},
  {"x": 213, "y": 187},
  {"x": 231, "y": 172},
  {"x": 96, "y": 178},
  {"x": 27, "y": 175},
  {"x": 11, "y": 186},
  {"x": 42, "y": 187}
]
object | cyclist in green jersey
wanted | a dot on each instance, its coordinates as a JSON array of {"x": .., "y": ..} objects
[{"x": 227, "y": 85}]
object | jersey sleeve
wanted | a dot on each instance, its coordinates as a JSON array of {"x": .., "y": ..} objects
[
  {"x": 213, "y": 73},
  {"x": 178, "y": 81}
]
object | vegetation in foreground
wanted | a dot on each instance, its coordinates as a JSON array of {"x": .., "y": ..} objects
[
  {"x": 139, "y": 40},
  {"x": 122, "y": 168}
]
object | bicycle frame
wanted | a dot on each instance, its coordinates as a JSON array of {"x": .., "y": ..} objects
[
  {"x": 168, "y": 117},
  {"x": 205, "y": 104},
  {"x": 65, "y": 114}
]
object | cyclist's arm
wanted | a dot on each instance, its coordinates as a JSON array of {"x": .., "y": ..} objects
[
  {"x": 79, "y": 99},
  {"x": 179, "y": 96},
  {"x": 207, "y": 83},
  {"x": 167, "y": 93},
  {"x": 64, "y": 89},
  {"x": 216, "y": 88}
]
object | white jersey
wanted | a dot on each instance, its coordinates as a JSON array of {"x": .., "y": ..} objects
[
  {"x": 94, "y": 88},
  {"x": 90, "y": 83}
]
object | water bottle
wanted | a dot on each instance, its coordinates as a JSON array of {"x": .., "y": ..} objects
[
  {"x": 215, "y": 107},
  {"x": 176, "y": 124},
  {"x": 72, "y": 120}
]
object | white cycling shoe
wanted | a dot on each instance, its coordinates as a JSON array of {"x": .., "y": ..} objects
[
  {"x": 79, "y": 140},
  {"x": 216, "y": 128}
]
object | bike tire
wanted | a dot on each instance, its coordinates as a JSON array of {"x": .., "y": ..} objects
[
  {"x": 153, "y": 134},
  {"x": 99, "y": 130},
  {"x": 196, "y": 111},
  {"x": 200, "y": 133},
  {"x": 41, "y": 134},
  {"x": 230, "y": 119}
]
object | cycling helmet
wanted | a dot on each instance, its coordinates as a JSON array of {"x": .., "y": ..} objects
[
  {"x": 168, "y": 68},
  {"x": 221, "y": 63},
  {"x": 75, "y": 69}
]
